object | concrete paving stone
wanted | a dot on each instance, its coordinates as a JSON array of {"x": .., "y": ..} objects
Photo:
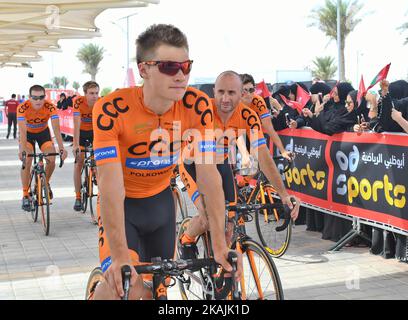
[{"x": 24, "y": 284}]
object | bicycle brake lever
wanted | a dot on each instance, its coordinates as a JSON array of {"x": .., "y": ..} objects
[
  {"x": 61, "y": 161},
  {"x": 126, "y": 272},
  {"x": 287, "y": 216}
]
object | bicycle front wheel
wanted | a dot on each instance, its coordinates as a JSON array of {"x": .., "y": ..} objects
[
  {"x": 181, "y": 207},
  {"x": 34, "y": 195},
  {"x": 45, "y": 205},
  {"x": 84, "y": 189},
  {"x": 260, "y": 279},
  {"x": 195, "y": 285},
  {"x": 276, "y": 243},
  {"x": 92, "y": 194},
  {"x": 95, "y": 278}
]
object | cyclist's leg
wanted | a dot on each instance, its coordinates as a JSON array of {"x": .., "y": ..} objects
[
  {"x": 229, "y": 187},
  {"x": 25, "y": 174},
  {"x": 79, "y": 164},
  {"x": 44, "y": 140},
  {"x": 199, "y": 223}
]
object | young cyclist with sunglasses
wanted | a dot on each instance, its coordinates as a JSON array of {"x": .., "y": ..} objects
[
  {"x": 83, "y": 133},
  {"x": 139, "y": 136},
  {"x": 32, "y": 119}
]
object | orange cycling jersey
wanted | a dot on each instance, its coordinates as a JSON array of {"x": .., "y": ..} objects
[
  {"x": 81, "y": 109},
  {"x": 36, "y": 120},
  {"x": 243, "y": 121},
  {"x": 259, "y": 106},
  {"x": 149, "y": 145}
]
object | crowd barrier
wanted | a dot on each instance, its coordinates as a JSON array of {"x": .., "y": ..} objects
[{"x": 362, "y": 176}]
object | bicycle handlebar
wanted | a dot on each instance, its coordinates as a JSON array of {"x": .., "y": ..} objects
[{"x": 37, "y": 155}]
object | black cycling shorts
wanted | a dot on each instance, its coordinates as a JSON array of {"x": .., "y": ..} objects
[
  {"x": 42, "y": 138},
  {"x": 150, "y": 226},
  {"x": 85, "y": 138}
]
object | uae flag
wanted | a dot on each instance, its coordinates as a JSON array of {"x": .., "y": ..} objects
[
  {"x": 293, "y": 104},
  {"x": 302, "y": 96},
  {"x": 380, "y": 76},
  {"x": 262, "y": 90},
  {"x": 361, "y": 91}
]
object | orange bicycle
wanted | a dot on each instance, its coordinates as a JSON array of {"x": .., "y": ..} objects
[
  {"x": 274, "y": 230},
  {"x": 89, "y": 183},
  {"x": 38, "y": 188}
]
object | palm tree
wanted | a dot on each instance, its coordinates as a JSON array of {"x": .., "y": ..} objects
[
  {"x": 106, "y": 91},
  {"x": 56, "y": 82},
  {"x": 76, "y": 85},
  {"x": 403, "y": 28},
  {"x": 64, "y": 81},
  {"x": 325, "y": 68},
  {"x": 91, "y": 55},
  {"x": 325, "y": 18}
]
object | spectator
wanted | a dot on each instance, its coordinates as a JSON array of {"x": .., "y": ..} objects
[
  {"x": 61, "y": 103},
  {"x": 283, "y": 118},
  {"x": 393, "y": 97},
  {"x": 11, "y": 114}
]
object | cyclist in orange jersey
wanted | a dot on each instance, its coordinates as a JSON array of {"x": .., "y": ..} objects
[
  {"x": 83, "y": 132},
  {"x": 138, "y": 139},
  {"x": 32, "y": 119},
  {"x": 258, "y": 104},
  {"x": 234, "y": 119}
]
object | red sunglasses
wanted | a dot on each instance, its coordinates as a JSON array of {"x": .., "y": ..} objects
[{"x": 171, "y": 67}]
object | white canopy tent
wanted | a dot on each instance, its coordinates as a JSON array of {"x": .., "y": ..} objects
[{"x": 30, "y": 26}]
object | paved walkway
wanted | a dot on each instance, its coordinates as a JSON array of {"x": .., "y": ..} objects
[{"x": 33, "y": 266}]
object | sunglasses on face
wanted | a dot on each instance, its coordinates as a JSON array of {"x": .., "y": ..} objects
[
  {"x": 249, "y": 90},
  {"x": 38, "y": 98},
  {"x": 171, "y": 68}
]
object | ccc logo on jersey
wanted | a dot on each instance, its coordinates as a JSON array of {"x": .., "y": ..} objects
[
  {"x": 259, "y": 104},
  {"x": 155, "y": 147},
  {"x": 201, "y": 106},
  {"x": 24, "y": 107},
  {"x": 111, "y": 110},
  {"x": 250, "y": 119},
  {"x": 49, "y": 106},
  {"x": 36, "y": 121}
]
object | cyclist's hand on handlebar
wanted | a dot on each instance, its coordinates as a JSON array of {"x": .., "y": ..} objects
[
  {"x": 294, "y": 208},
  {"x": 20, "y": 153},
  {"x": 113, "y": 276},
  {"x": 288, "y": 155},
  {"x": 222, "y": 259},
  {"x": 75, "y": 150},
  {"x": 64, "y": 154}
]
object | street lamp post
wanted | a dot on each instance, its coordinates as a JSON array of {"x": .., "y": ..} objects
[{"x": 339, "y": 59}]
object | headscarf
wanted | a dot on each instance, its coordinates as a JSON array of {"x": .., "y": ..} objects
[
  {"x": 320, "y": 87},
  {"x": 344, "y": 88},
  {"x": 399, "y": 89}
]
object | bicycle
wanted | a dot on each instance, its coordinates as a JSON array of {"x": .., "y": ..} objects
[
  {"x": 274, "y": 232},
  {"x": 161, "y": 270},
  {"x": 38, "y": 192},
  {"x": 178, "y": 188},
  {"x": 88, "y": 182},
  {"x": 258, "y": 266}
]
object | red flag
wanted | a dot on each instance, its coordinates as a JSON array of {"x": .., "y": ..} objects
[
  {"x": 361, "y": 91},
  {"x": 331, "y": 92},
  {"x": 380, "y": 76},
  {"x": 302, "y": 96},
  {"x": 293, "y": 104},
  {"x": 262, "y": 90}
]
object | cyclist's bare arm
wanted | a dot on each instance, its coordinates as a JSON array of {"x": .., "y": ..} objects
[
  {"x": 270, "y": 170},
  {"x": 77, "y": 125},
  {"x": 267, "y": 126},
  {"x": 112, "y": 195},
  {"x": 246, "y": 160},
  {"x": 22, "y": 130}
]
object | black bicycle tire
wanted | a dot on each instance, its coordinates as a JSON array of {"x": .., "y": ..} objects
[
  {"x": 45, "y": 218},
  {"x": 276, "y": 253},
  {"x": 95, "y": 276},
  {"x": 91, "y": 199},
  {"x": 34, "y": 202},
  {"x": 84, "y": 190},
  {"x": 249, "y": 244}
]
